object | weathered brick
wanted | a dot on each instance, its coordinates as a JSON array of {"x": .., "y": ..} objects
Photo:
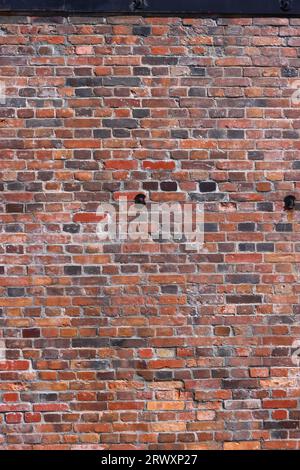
[
  {"x": 89, "y": 342},
  {"x": 200, "y": 71},
  {"x": 44, "y": 123},
  {"x": 123, "y": 345},
  {"x": 289, "y": 72},
  {"x": 242, "y": 278}
]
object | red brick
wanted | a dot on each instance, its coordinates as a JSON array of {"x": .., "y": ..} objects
[
  {"x": 50, "y": 407},
  {"x": 13, "y": 418},
  {"x": 159, "y": 165},
  {"x": 32, "y": 417},
  {"x": 246, "y": 445},
  {"x": 145, "y": 345}
]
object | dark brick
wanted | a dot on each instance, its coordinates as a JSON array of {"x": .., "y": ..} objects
[
  {"x": 247, "y": 247},
  {"x": 168, "y": 186},
  {"x": 141, "y": 30},
  {"x": 121, "y": 133},
  {"x": 159, "y": 60},
  {"x": 219, "y": 373},
  {"x": 289, "y": 72},
  {"x": 246, "y": 227},
  {"x": 197, "y": 91},
  {"x": 89, "y": 342},
  {"x": 217, "y": 133},
  {"x": 259, "y": 103},
  {"x": 235, "y": 134},
  {"x": 140, "y": 113},
  {"x": 122, "y": 81},
  {"x": 282, "y": 424},
  {"x": 15, "y": 186},
  {"x": 255, "y": 155},
  {"x": 14, "y": 208},
  {"x": 199, "y": 71},
  {"x": 201, "y": 373},
  {"x": 71, "y": 228},
  {"x": 290, "y": 134},
  {"x": 91, "y": 270},
  {"x": 210, "y": 227},
  {"x": 29, "y": 92},
  {"x": 84, "y": 92},
  {"x": 284, "y": 227},
  {"x": 34, "y": 187},
  {"x": 265, "y": 206},
  {"x": 237, "y": 176},
  {"x": 150, "y": 185},
  {"x": 52, "y": 417},
  {"x": 121, "y": 123},
  {"x": 99, "y": 364},
  {"x": 102, "y": 133},
  {"x": 128, "y": 343},
  {"x": 242, "y": 278},
  {"x": 280, "y": 352},
  {"x": 141, "y": 71},
  {"x": 84, "y": 81},
  {"x": 45, "y": 175},
  {"x": 29, "y": 208},
  {"x": 244, "y": 299},
  {"x": 264, "y": 247},
  {"x": 163, "y": 375},
  {"x": 240, "y": 384},
  {"x": 72, "y": 270},
  {"x": 224, "y": 351},
  {"x": 44, "y": 123},
  {"x": 31, "y": 333},
  {"x": 48, "y": 397},
  {"x": 226, "y": 247},
  {"x": 179, "y": 134},
  {"x": 207, "y": 186},
  {"x": 279, "y": 434},
  {"x": 15, "y": 291},
  {"x": 296, "y": 165},
  {"x": 208, "y": 197},
  {"x": 169, "y": 289},
  {"x": 13, "y": 228}
]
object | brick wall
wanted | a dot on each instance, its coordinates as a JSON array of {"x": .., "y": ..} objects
[{"x": 143, "y": 345}]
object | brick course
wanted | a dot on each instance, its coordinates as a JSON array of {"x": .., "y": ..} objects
[{"x": 141, "y": 345}]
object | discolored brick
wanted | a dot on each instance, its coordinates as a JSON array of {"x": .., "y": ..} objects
[{"x": 150, "y": 344}]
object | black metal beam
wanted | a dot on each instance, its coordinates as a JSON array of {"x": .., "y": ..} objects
[{"x": 155, "y": 7}]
